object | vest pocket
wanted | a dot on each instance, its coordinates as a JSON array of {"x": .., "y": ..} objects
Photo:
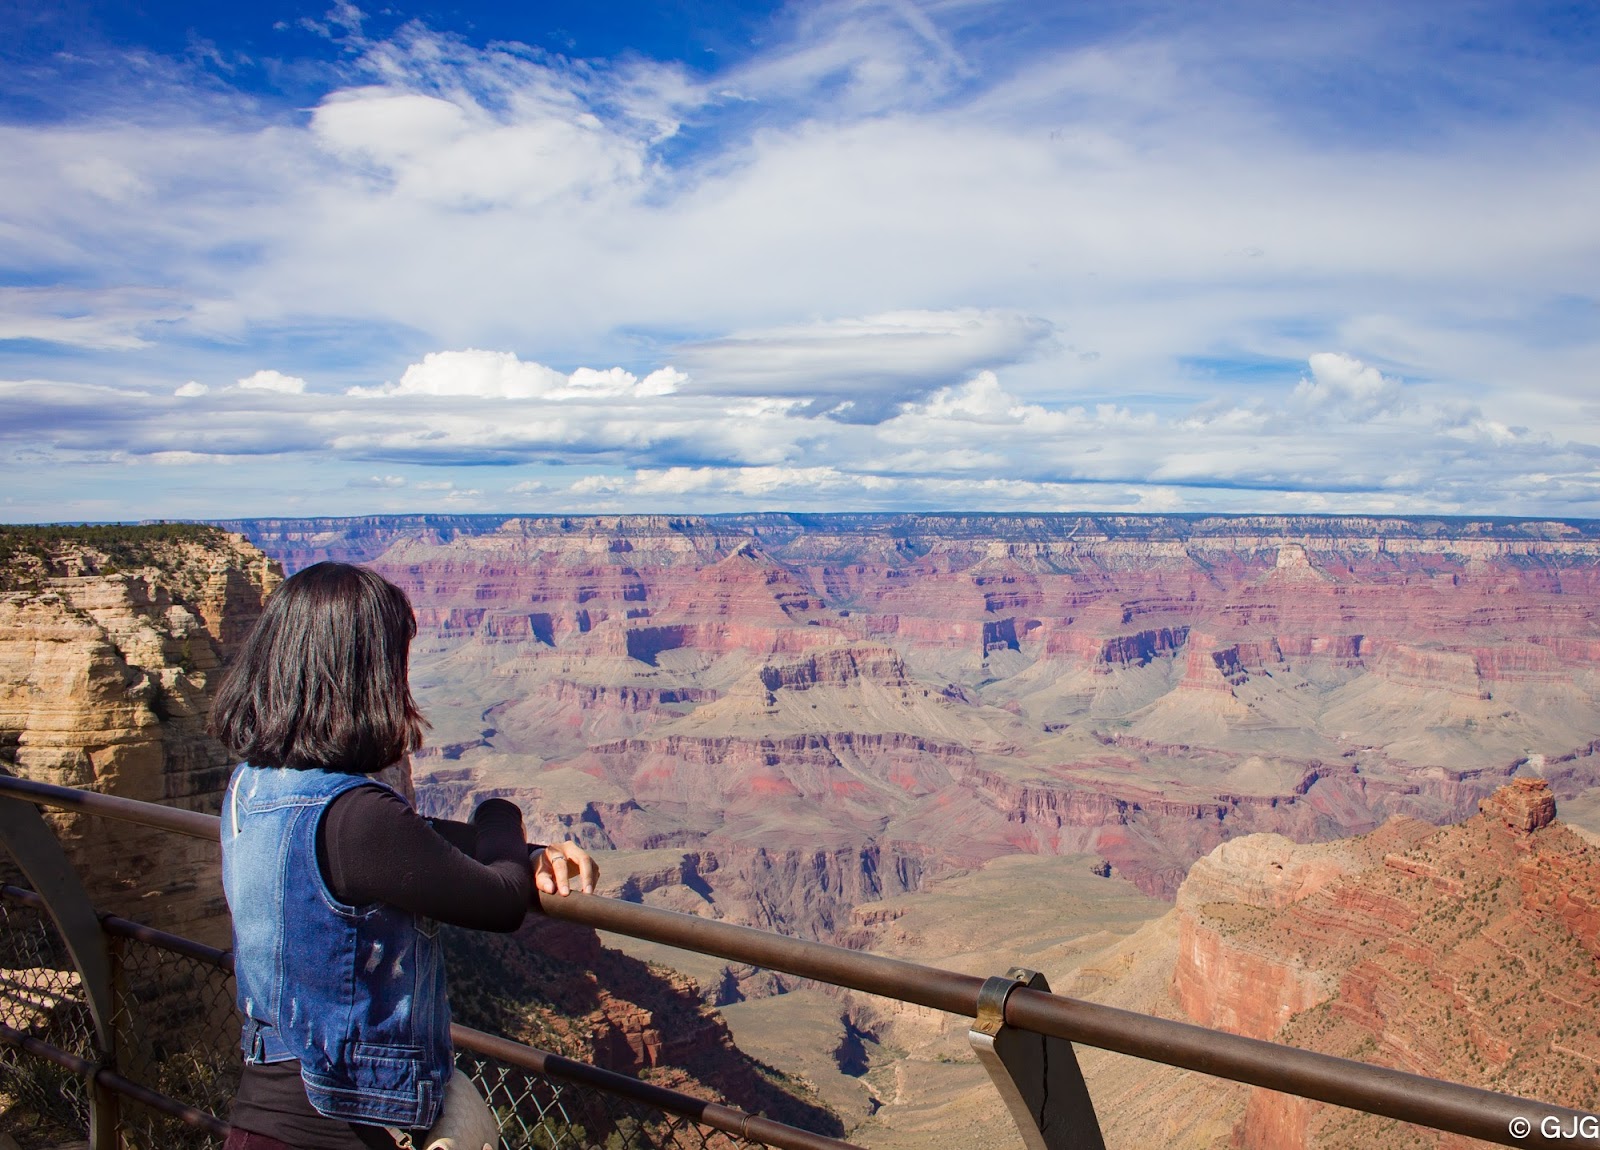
[{"x": 374, "y": 1082}]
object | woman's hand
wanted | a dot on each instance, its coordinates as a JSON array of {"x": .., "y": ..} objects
[{"x": 555, "y": 868}]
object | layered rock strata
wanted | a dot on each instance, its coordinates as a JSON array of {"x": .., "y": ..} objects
[
  {"x": 106, "y": 677},
  {"x": 1467, "y": 953},
  {"x": 941, "y": 690}
]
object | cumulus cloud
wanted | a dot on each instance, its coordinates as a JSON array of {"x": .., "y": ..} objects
[
  {"x": 502, "y": 375},
  {"x": 1342, "y": 383},
  {"x": 190, "y": 390},
  {"x": 382, "y": 482},
  {"x": 268, "y": 380}
]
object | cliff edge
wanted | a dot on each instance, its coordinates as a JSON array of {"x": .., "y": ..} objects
[
  {"x": 111, "y": 640},
  {"x": 1467, "y": 953}
]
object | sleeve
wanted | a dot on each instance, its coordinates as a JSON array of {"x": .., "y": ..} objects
[{"x": 374, "y": 848}]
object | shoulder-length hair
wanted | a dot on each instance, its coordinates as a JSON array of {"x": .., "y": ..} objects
[{"x": 321, "y": 680}]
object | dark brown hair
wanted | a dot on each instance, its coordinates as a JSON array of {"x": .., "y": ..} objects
[{"x": 321, "y": 679}]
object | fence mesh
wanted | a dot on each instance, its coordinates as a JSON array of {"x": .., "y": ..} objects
[
  {"x": 176, "y": 1033},
  {"x": 42, "y": 996},
  {"x": 541, "y": 1113}
]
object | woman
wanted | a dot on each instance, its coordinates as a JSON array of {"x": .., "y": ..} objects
[{"x": 336, "y": 884}]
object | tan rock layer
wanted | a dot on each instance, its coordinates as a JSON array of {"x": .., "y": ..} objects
[{"x": 106, "y": 683}]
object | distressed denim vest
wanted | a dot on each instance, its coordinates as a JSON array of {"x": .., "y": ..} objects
[{"x": 356, "y": 993}]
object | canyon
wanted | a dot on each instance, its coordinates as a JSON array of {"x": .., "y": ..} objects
[
  {"x": 1466, "y": 952},
  {"x": 1163, "y": 759},
  {"x": 978, "y": 740},
  {"x": 822, "y": 710}
]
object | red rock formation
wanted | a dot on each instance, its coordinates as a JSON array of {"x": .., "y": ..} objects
[
  {"x": 1524, "y": 805},
  {"x": 1467, "y": 953}
]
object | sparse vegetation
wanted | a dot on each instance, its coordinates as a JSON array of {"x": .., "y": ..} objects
[{"x": 30, "y": 553}]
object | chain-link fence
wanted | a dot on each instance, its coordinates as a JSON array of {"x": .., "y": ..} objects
[
  {"x": 176, "y": 1033},
  {"x": 538, "y": 1112},
  {"x": 41, "y": 995}
]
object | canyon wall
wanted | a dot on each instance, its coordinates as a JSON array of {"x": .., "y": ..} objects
[
  {"x": 1467, "y": 953},
  {"x": 110, "y": 643},
  {"x": 111, "y": 640}
]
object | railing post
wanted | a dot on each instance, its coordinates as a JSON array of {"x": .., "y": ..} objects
[
  {"x": 39, "y": 856},
  {"x": 1037, "y": 1075}
]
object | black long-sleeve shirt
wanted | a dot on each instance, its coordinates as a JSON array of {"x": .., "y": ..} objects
[{"x": 372, "y": 847}]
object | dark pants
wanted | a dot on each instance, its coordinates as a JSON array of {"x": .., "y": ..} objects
[
  {"x": 374, "y": 1136},
  {"x": 248, "y": 1140}
]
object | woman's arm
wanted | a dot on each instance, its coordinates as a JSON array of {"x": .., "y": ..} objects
[{"x": 374, "y": 848}]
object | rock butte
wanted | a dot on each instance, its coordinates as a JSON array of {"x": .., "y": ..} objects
[{"x": 1466, "y": 953}]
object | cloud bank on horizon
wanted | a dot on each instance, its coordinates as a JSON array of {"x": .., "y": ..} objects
[{"x": 953, "y": 254}]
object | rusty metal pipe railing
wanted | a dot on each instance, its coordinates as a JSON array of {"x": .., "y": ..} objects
[
  {"x": 126, "y": 928},
  {"x": 195, "y": 824},
  {"x": 750, "y": 1127},
  {"x": 1432, "y": 1102},
  {"x": 111, "y": 1080}
]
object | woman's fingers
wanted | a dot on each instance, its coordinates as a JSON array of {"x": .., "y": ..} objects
[
  {"x": 560, "y": 864},
  {"x": 551, "y": 875},
  {"x": 588, "y": 869}
]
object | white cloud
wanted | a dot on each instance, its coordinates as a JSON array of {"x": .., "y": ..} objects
[
  {"x": 188, "y": 459},
  {"x": 454, "y": 153},
  {"x": 975, "y": 438},
  {"x": 982, "y": 261},
  {"x": 1344, "y": 384},
  {"x": 501, "y": 375},
  {"x": 113, "y": 319},
  {"x": 268, "y": 380},
  {"x": 873, "y": 363}
]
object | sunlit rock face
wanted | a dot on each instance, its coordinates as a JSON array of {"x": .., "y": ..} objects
[
  {"x": 828, "y": 709},
  {"x": 1467, "y": 953},
  {"x": 109, "y": 655}
]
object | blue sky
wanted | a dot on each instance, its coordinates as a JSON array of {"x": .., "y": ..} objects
[{"x": 704, "y": 256}]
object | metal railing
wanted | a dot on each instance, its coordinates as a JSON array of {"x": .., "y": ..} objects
[
  {"x": 165, "y": 1025},
  {"x": 1010, "y": 1004}
]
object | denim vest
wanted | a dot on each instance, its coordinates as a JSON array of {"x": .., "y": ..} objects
[{"x": 356, "y": 993}]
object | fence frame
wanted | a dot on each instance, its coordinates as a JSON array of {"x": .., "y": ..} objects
[{"x": 1435, "y": 1103}]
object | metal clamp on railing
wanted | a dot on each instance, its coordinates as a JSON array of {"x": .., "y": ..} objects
[{"x": 1036, "y": 1075}]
